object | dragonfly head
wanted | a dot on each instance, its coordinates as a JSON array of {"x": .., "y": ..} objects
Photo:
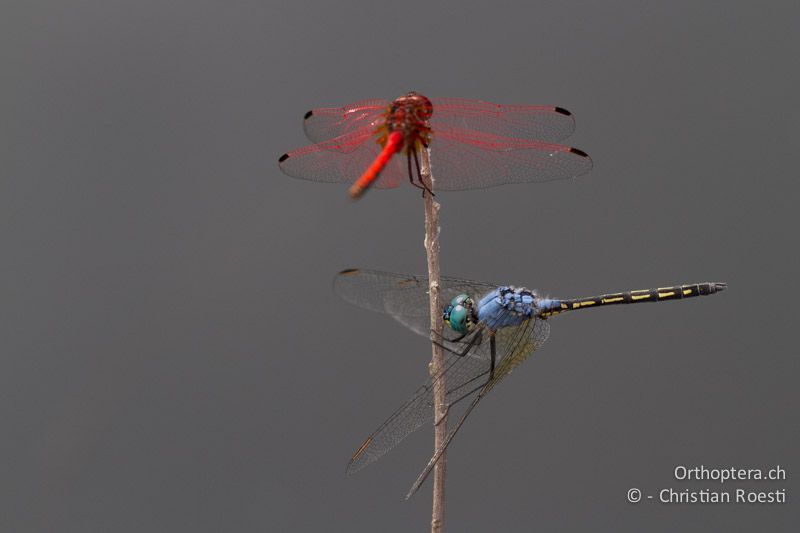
[
  {"x": 459, "y": 314},
  {"x": 418, "y": 104}
]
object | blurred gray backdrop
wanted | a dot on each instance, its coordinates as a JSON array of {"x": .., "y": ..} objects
[{"x": 173, "y": 357}]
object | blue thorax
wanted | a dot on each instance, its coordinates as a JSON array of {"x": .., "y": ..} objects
[
  {"x": 507, "y": 306},
  {"x": 502, "y": 307}
]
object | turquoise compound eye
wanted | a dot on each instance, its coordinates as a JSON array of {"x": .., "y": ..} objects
[
  {"x": 459, "y": 300},
  {"x": 457, "y": 314},
  {"x": 458, "y": 319}
]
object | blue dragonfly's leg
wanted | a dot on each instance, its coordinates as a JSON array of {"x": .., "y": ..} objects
[
  {"x": 457, "y": 339},
  {"x": 492, "y": 361},
  {"x": 482, "y": 390},
  {"x": 471, "y": 391},
  {"x": 493, "y": 352},
  {"x": 445, "y": 348},
  {"x": 476, "y": 339},
  {"x": 436, "y": 456}
]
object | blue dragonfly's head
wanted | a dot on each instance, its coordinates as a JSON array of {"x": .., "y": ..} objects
[{"x": 459, "y": 314}]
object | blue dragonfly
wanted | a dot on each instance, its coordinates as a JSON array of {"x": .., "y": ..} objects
[{"x": 488, "y": 331}]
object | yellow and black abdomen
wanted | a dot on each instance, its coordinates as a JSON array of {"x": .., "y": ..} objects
[{"x": 550, "y": 307}]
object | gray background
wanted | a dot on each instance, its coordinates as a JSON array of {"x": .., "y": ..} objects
[{"x": 173, "y": 358}]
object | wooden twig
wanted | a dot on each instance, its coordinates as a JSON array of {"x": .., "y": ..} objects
[{"x": 437, "y": 357}]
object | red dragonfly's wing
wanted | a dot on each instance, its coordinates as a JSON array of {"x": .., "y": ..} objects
[
  {"x": 545, "y": 123},
  {"x": 341, "y": 160},
  {"x": 327, "y": 123},
  {"x": 465, "y": 159}
]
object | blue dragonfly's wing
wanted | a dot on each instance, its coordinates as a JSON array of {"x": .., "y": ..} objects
[
  {"x": 403, "y": 297},
  {"x": 462, "y": 376},
  {"x": 514, "y": 345},
  {"x": 466, "y": 372},
  {"x": 467, "y": 380}
]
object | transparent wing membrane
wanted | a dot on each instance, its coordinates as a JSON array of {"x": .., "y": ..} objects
[
  {"x": 468, "y": 372},
  {"x": 327, "y": 123},
  {"x": 474, "y": 362},
  {"x": 404, "y": 297},
  {"x": 474, "y": 145},
  {"x": 470, "y": 160},
  {"x": 465, "y": 377},
  {"x": 517, "y": 345},
  {"x": 460, "y": 160},
  {"x": 342, "y": 160},
  {"x": 461, "y": 375},
  {"x": 546, "y": 123}
]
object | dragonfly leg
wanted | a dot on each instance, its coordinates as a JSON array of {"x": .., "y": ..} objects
[
  {"x": 493, "y": 351},
  {"x": 419, "y": 174},
  {"x": 460, "y": 353},
  {"x": 477, "y": 332},
  {"x": 466, "y": 394},
  {"x": 476, "y": 339},
  {"x": 436, "y": 456},
  {"x": 457, "y": 339},
  {"x": 482, "y": 390},
  {"x": 490, "y": 372},
  {"x": 411, "y": 174}
]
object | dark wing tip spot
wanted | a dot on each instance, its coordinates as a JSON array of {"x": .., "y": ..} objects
[
  {"x": 578, "y": 152},
  {"x": 348, "y": 272},
  {"x": 283, "y": 158},
  {"x": 308, "y": 115},
  {"x": 563, "y": 111}
]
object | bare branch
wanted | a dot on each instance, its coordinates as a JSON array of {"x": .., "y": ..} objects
[{"x": 437, "y": 358}]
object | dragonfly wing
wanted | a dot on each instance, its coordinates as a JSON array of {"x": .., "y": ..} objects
[
  {"x": 326, "y": 123},
  {"x": 402, "y": 296},
  {"x": 462, "y": 159},
  {"x": 438, "y": 455},
  {"x": 514, "y": 345},
  {"x": 462, "y": 376},
  {"x": 409, "y": 417},
  {"x": 341, "y": 160},
  {"x": 517, "y": 344},
  {"x": 545, "y": 123}
]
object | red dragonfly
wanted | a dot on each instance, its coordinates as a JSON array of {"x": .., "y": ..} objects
[{"x": 473, "y": 144}]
